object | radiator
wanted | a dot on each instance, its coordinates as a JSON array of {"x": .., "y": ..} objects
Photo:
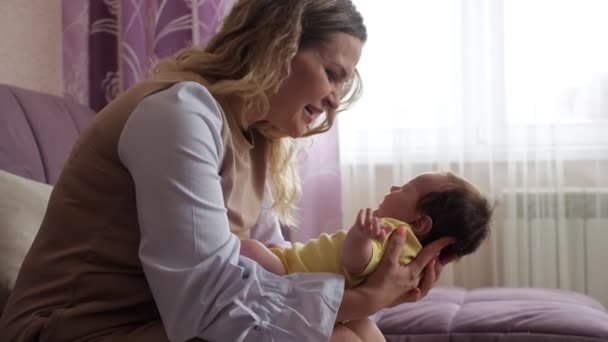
[{"x": 557, "y": 239}]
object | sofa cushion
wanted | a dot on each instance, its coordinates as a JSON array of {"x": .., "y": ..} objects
[
  {"x": 22, "y": 206},
  {"x": 497, "y": 314}
]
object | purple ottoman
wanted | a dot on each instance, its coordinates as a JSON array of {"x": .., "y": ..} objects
[{"x": 497, "y": 314}]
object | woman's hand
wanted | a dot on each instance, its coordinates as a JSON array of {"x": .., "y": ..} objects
[
  {"x": 395, "y": 283},
  {"x": 391, "y": 283},
  {"x": 431, "y": 274}
]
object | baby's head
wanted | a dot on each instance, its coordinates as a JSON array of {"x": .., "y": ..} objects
[{"x": 440, "y": 204}]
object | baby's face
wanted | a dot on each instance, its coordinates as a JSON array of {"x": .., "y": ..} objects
[{"x": 400, "y": 202}]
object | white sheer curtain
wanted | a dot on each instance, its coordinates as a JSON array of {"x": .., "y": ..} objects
[{"x": 512, "y": 95}]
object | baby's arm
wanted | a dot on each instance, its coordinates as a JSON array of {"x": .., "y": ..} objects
[
  {"x": 257, "y": 252},
  {"x": 357, "y": 246}
]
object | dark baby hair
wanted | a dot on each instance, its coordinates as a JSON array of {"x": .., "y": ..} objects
[{"x": 459, "y": 211}]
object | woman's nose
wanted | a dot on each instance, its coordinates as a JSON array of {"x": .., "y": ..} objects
[
  {"x": 394, "y": 188},
  {"x": 331, "y": 101}
]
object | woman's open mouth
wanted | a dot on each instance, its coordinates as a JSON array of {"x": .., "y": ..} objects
[
  {"x": 310, "y": 116},
  {"x": 311, "y": 113}
]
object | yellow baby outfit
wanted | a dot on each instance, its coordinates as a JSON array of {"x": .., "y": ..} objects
[{"x": 323, "y": 254}]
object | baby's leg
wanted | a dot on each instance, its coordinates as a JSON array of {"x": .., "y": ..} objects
[
  {"x": 256, "y": 251},
  {"x": 366, "y": 330}
]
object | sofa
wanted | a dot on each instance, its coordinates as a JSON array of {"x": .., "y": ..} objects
[{"x": 37, "y": 131}]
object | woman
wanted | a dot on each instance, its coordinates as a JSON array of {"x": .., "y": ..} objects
[{"x": 144, "y": 223}]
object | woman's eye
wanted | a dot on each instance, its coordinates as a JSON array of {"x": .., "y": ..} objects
[{"x": 331, "y": 76}]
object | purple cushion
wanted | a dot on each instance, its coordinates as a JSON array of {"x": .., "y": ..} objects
[
  {"x": 497, "y": 314},
  {"x": 37, "y": 132}
]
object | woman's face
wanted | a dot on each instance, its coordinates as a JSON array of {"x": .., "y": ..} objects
[{"x": 313, "y": 86}]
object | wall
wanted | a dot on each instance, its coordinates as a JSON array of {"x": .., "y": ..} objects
[{"x": 31, "y": 45}]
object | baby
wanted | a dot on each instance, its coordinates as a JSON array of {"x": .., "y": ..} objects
[{"x": 430, "y": 206}]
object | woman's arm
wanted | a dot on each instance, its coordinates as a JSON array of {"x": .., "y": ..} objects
[{"x": 171, "y": 145}]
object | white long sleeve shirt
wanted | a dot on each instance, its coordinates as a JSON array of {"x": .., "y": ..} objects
[{"x": 172, "y": 147}]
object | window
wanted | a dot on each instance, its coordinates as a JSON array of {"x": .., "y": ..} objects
[{"x": 481, "y": 77}]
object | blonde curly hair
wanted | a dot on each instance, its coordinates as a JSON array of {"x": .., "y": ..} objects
[{"x": 250, "y": 57}]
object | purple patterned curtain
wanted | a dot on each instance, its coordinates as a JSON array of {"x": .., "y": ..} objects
[{"x": 110, "y": 44}]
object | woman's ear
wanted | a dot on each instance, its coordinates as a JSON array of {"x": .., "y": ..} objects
[{"x": 422, "y": 226}]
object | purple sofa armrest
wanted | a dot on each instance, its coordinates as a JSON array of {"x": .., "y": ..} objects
[
  {"x": 37, "y": 132},
  {"x": 497, "y": 314}
]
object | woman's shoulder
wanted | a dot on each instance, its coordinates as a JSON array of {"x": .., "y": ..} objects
[
  {"x": 186, "y": 95},
  {"x": 186, "y": 99},
  {"x": 183, "y": 113}
]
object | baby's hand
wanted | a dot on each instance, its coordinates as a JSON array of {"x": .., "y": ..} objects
[{"x": 368, "y": 226}]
